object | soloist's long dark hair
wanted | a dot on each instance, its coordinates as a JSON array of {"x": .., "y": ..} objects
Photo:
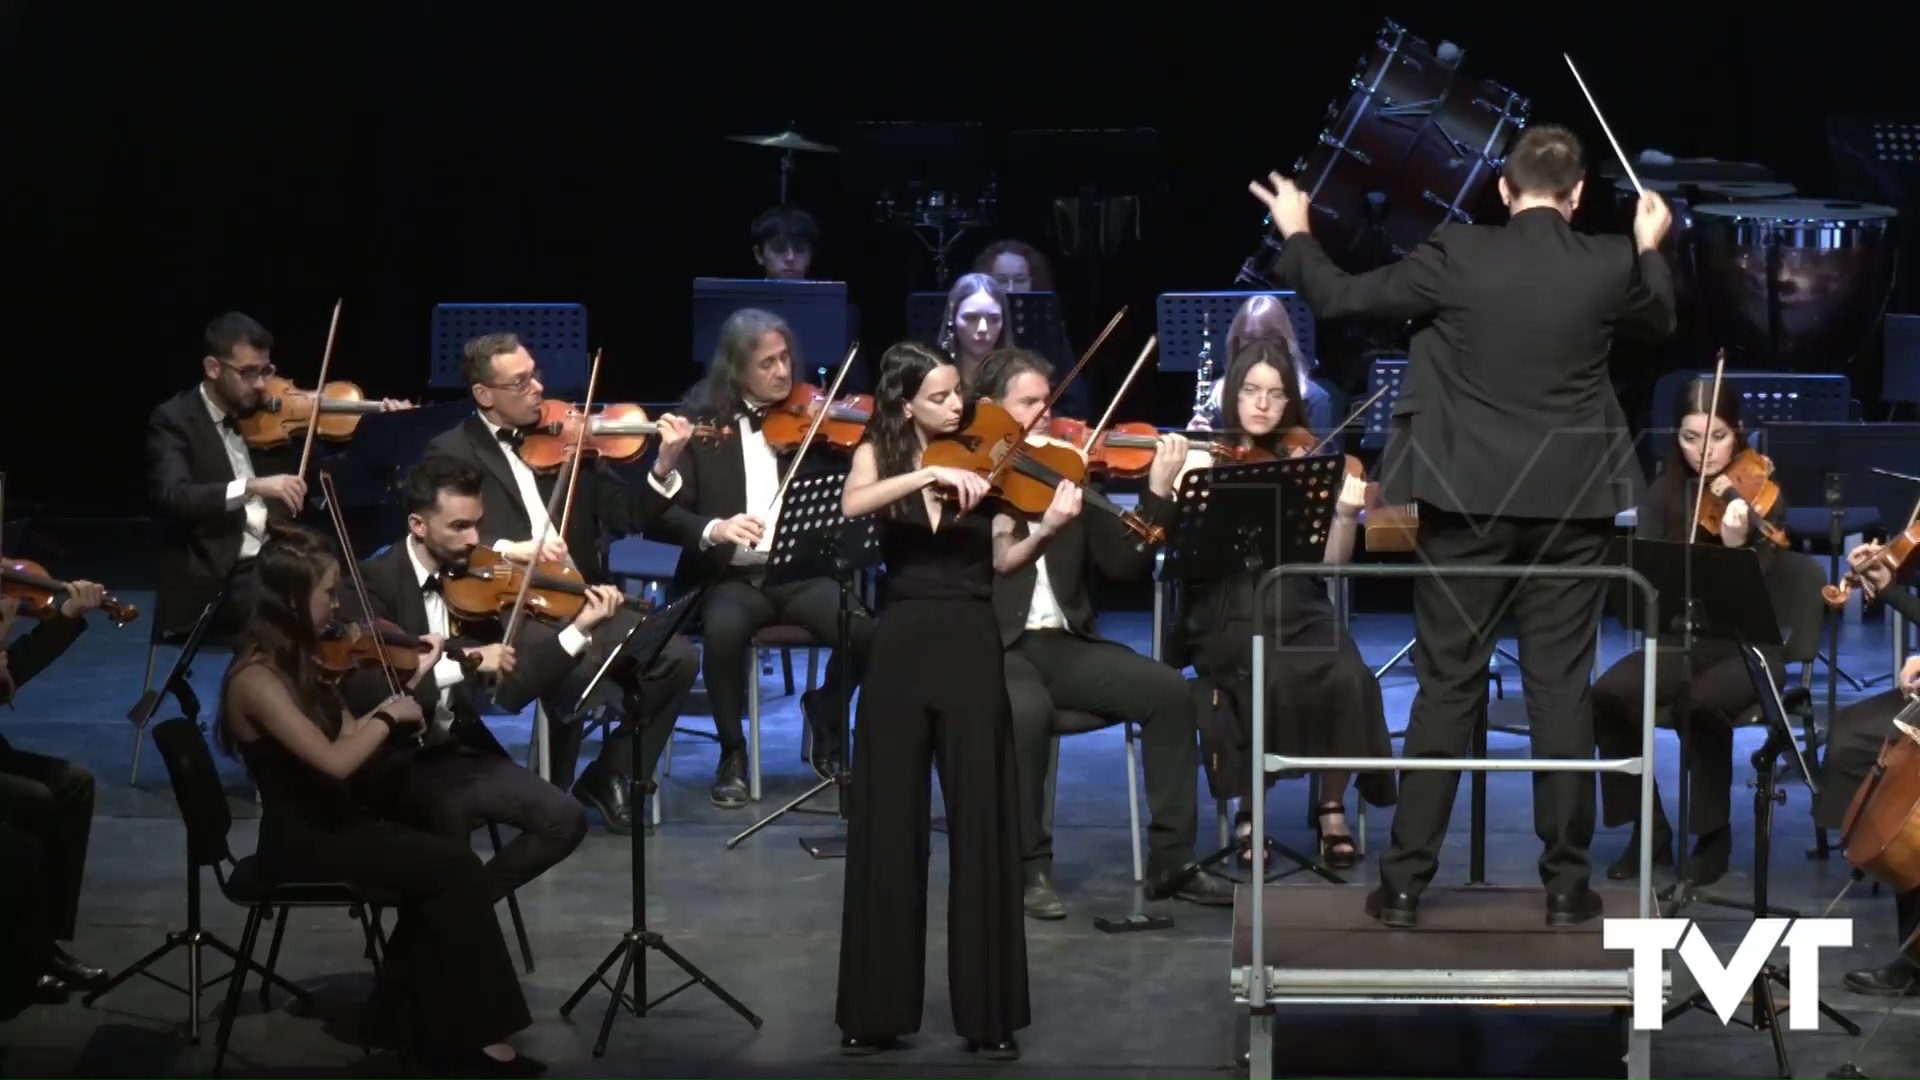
[
  {"x": 718, "y": 395},
  {"x": 1274, "y": 353},
  {"x": 1670, "y": 486},
  {"x": 279, "y": 631},
  {"x": 895, "y": 445}
]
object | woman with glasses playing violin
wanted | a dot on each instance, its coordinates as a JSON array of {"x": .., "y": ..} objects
[
  {"x": 1323, "y": 700},
  {"x": 447, "y": 960}
]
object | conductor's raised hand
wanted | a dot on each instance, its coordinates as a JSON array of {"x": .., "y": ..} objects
[
  {"x": 1064, "y": 508},
  {"x": 968, "y": 488},
  {"x": 1651, "y": 220},
  {"x": 1289, "y": 205}
]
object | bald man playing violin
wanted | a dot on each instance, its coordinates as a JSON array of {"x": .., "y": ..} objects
[
  {"x": 723, "y": 520},
  {"x": 1055, "y": 660}
]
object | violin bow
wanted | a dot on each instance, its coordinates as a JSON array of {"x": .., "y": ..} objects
[
  {"x": 1093, "y": 439},
  {"x": 1713, "y": 410},
  {"x": 994, "y": 476},
  {"x": 554, "y": 506},
  {"x": 319, "y": 390},
  {"x": 579, "y": 442},
  {"x": 1351, "y": 417},
  {"x": 819, "y": 418},
  {"x": 1595, "y": 106},
  {"x": 359, "y": 583}
]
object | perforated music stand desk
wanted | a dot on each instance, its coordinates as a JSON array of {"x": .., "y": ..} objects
[
  {"x": 1730, "y": 599},
  {"x": 1249, "y": 517},
  {"x": 812, "y": 538}
]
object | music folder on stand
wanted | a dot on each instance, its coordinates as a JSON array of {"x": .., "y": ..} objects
[
  {"x": 642, "y": 644},
  {"x": 813, "y": 539}
]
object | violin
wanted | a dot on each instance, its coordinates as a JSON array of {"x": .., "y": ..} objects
[
  {"x": 786, "y": 424},
  {"x": 618, "y": 433},
  {"x": 1023, "y": 471},
  {"x": 1748, "y": 477},
  {"x": 1124, "y": 450},
  {"x": 347, "y": 647},
  {"x": 40, "y": 596},
  {"x": 1900, "y": 555},
  {"x": 491, "y": 584},
  {"x": 286, "y": 412}
]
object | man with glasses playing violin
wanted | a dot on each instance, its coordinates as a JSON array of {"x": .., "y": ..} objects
[
  {"x": 1055, "y": 660},
  {"x": 723, "y": 520},
  {"x": 507, "y": 394}
]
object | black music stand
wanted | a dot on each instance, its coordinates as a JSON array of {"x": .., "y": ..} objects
[
  {"x": 813, "y": 539},
  {"x": 643, "y": 645},
  {"x": 1238, "y": 519}
]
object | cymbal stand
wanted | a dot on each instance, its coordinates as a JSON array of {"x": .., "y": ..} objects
[{"x": 786, "y": 173}]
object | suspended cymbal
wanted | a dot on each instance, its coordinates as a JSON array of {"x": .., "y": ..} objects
[{"x": 786, "y": 140}]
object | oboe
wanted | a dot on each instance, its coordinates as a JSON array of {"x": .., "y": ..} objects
[{"x": 1203, "y": 387}]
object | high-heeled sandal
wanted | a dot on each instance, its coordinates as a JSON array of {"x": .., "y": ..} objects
[
  {"x": 1337, "y": 850},
  {"x": 1243, "y": 836}
]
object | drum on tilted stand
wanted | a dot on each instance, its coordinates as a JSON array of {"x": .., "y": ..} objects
[{"x": 1793, "y": 284}]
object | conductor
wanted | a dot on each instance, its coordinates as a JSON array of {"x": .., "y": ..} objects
[{"x": 1508, "y": 438}]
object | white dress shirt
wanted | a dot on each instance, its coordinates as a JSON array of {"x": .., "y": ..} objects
[
  {"x": 763, "y": 480},
  {"x": 242, "y": 462},
  {"x": 447, "y": 672},
  {"x": 1044, "y": 612},
  {"x": 536, "y": 506}
]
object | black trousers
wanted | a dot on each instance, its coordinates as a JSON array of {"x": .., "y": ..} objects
[
  {"x": 1456, "y": 621},
  {"x": 446, "y": 952},
  {"x": 936, "y": 698},
  {"x": 654, "y": 697},
  {"x": 1719, "y": 691},
  {"x": 1049, "y": 670},
  {"x": 52, "y": 801},
  {"x": 26, "y": 924},
  {"x": 1853, "y": 747},
  {"x": 458, "y": 789},
  {"x": 738, "y": 608}
]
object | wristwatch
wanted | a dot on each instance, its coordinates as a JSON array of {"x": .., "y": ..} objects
[{"x": 387, "y": 718}]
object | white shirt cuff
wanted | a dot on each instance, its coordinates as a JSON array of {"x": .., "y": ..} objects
[
  {"x": 668, "y": 487},
  {"x": 501, "y": 546},
  {"x": 236, "y": 494},
  {"x": 706, "y": 534},
  {"x": 448, "y": 672},
  {"x": 573, "y": 640}
]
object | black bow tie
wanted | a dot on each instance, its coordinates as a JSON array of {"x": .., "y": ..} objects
[
  {"x": 751, "y": 419},
  {"x": 231, "y": 423},
  {"x": 511, "y": 436},
  {"x": 433, "y": 584}
]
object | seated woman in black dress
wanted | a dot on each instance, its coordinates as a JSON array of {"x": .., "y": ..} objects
[
  {"x": 1323, "y": 701},
  {"x": 1721, "y": 689},
  {"x": 1853, "y": 746},
  {"x": 936, "y": 696},
  {"x": 446, "y": 955}
]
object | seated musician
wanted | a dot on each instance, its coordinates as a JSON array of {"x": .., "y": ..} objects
[
  {"x": 1854, "y": 740},
  {"x": 1056, "y": 660},
  {"x": 446, "y": 959},
  {"x": 1260, "y": 317},
  {"x": 1721, "y": 688},
  {"x": 461, "y": 776},
  {"x": 1017, "y": 265},
  {"x": 975, "y": 322},
  {"x": 506, "y": 388},
  {"x": 48, "y": 798},
  {"x": 784, "y": 239},
  {"x": 724, "y": 519},
  {"x": 1323, "y": 701}
]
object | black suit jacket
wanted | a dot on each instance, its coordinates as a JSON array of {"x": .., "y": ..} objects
[
  {"x": 713, "y": 484},
  {"x": 1093, "y": 539},
  {"x": 1507, "y": 407},
  {"x": 187, "y": 478},
  {"x": 604, "y": 506},
  {"x": 30, "y": 653}
]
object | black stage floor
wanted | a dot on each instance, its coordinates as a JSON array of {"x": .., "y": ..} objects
[{"x": 764, "y": 921}]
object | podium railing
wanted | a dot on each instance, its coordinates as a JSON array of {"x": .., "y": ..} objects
[{"x": 1254, "y": 981}]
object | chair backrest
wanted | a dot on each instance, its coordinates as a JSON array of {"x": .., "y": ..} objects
[
  {"x": 1794, "y": 587},
  {"x": 196, "y": 787}
]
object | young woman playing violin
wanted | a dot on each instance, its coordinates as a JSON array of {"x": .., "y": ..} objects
[
  {"x": 287, "y": 723},
  {"x": 723, "y": 519},
  {"x": 1324, "y": 699},
  {"x": 1854, "y": 741},
  {"x": 1709, "y": 439},
  {"x": 936, "y": 694}
]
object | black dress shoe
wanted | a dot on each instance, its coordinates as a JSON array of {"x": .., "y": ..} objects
[
  {"x": 605, "y": 792},
  {"x": 823, "y": 722},
  {"x": 1572, "y": 909},
  {"x": 1398, "y": 910},
  {"x": 74, "y": 973},
  {"x": 862, "y": 1045},
  {"x": 1192, "y": 884},
  {"x": 729, "y": 791},
  {"x": 1040, "y": 899},
  {"x": 1898, "y": 979},
  {"x": 51, "y": 990},
  {"x": 1004, "y": 1050}
]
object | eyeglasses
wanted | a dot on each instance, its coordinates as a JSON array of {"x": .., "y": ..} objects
[
  {"x": 250, "y": 374},
  {"x": 1255, "y": 393},
  {"x": 520, "y": 385}
]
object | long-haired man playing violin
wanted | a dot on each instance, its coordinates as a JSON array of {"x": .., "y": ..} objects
[
  {"x": 507, "y": 395},
  {"x": 723, "y": 519}
]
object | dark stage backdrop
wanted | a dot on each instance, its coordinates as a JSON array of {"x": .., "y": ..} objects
[{"x": 173, "y": 160}]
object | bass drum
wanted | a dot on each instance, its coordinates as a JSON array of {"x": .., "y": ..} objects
[
  {"x": 1416, "y": 145},
  {"x": 1793, "y": 284}
]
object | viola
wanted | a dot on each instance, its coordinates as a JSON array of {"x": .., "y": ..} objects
[
  {"x": 1900, "y": 555},
  {"x": 1748, "y": 477},
  {"x": 40, "y": 596},
  {"x": 618, "y": 433},
  {"x": 287, "y": 411},
  {"x": 1034, "y": 467},
  {"x": 347, "y": 647},
  {"x": 786, "y": 423},
  {"x": 490, "y": 586}
]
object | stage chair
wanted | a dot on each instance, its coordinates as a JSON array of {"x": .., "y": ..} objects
[{"x": 1076, "y": 722}]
